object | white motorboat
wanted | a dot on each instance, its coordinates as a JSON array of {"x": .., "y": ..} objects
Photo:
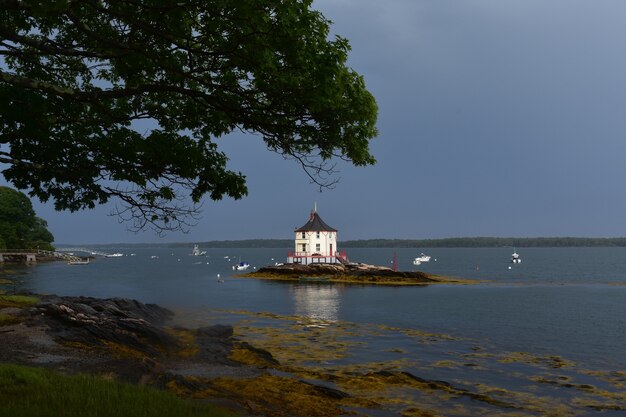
[
  {"x": 241, "y": 266},
  {"x": 422, "y": 258},
  {"x": 114, "y": 255},
  {"x": 417, "y": 262},
  {"x": 515, "y": 257}
]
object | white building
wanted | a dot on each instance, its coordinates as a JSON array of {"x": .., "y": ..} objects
[{"x": 316, "y": 242}]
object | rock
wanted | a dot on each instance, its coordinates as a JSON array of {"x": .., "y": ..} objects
[
  {"x": 215, "y": 344},
  {"x": 327, "y": 391},
  {"x": 352, "y": 270},
  {"x": 11, "y": 311},
  {"x": 94, "y": 321}
]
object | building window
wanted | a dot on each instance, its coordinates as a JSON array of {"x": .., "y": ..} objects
[
  {"x": 318, "y": 235},
  {"x": 304, "y": 247},
  {"x": 317, "y": 247},
  {"x": 303, "y": 235}
]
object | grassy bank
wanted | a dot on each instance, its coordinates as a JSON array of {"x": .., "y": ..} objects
[
  {"x": 19, "y": 301},
  {"x": 28, "y": 392}
]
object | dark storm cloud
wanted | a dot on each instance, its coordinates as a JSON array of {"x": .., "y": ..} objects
[{"x": 496, "y": 117}]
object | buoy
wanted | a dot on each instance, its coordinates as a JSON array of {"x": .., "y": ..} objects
[{"x": 509, "y": 267}]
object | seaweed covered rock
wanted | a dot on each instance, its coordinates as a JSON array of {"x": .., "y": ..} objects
[
  {"x": 94, "y": 321},
  {"x": 349, "y": 273}
]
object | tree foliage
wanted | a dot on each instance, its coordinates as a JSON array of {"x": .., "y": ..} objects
[
  {"x": 20, "y": 228},
  {"x": 125, "y": 98}
]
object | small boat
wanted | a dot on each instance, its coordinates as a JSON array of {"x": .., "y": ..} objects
[
  {"x": 197, "y": 252},
  {"x": 85, "y": 262},
  {"x": 241, "y": 266},
  {"x": 114, "y": 255},
  {"x": 515, "y": 257},
  {"x": 422, "y": 258},
  {"x": 154, "y": 257}
]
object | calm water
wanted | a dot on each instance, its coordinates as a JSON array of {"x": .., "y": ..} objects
[{"x": 566, "y": 302}]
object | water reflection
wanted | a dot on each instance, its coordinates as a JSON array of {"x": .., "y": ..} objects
[{"x": 319, "y": 303}]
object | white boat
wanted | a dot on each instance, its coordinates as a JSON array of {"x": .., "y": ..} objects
[
  {"x": 114, "y": 255},
  {"x": 515, "y": 257},
  {"x": 197, "y": 252},
  {"x": 241, "y": 266},
  {"x": 422, "y": 258}
]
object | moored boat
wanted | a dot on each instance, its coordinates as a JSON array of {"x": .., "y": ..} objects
[
  {"x": 422, "y": 258},
  {"x": 197, "y": 252},
  {"x": 241, "y": 266},
  {"x": 515, "y": 257}
]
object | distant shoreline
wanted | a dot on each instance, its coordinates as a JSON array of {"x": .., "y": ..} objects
[{"x": 455, "y": 242}]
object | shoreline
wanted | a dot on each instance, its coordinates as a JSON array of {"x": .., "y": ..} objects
[
  {"x": 131, "y": 342},
  {"x": 290, "y": 367}
]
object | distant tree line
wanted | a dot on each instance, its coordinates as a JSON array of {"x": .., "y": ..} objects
[
  {"x": 486, "y": 242},
  {"x": 456, "y": 242},
  {"x": 248, "y": 243}
]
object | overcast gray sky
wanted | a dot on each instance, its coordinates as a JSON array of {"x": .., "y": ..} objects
[{"x": 496, "y": 118}]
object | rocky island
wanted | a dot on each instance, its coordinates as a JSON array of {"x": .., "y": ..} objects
[{"x": 350, "y": 273}]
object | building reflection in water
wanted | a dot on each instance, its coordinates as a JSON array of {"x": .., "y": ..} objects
[{"x": 319, "y": 303}]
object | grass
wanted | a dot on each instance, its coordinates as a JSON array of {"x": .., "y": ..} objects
[
  {"x": 29, "y": 392},
  {"x": 17, "y": 301}
]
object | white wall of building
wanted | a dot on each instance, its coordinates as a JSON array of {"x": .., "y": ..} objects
[{"x": 324, "y": 243}]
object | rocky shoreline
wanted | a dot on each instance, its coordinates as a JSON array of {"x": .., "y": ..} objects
[
  {"x": 351, "y": 273},
  {"x": 133, "y": 342},
  {"x": 130, "y": 341},
  {"x": 122, "y": 339}
]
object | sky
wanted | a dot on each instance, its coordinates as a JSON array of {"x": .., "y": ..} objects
[{"x": 496, "y": 118}]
